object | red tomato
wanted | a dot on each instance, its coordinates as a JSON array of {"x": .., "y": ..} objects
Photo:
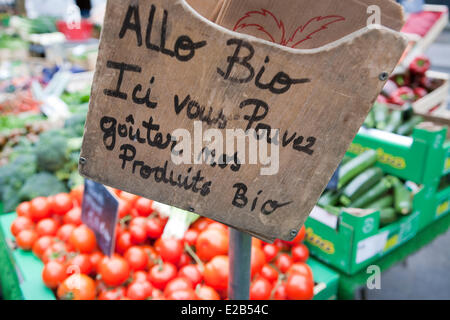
[
  {"x": 201, "y": 224},
  {"x": 190, "y": 237},
  {"x": 41, "y": 245},
  {"x": 21, "y": 223},
  {"x": 139, "y": 221},
  {"x": 299, "y": 287},
  {"x": 140, "y": 276},
  {"x": 83, "y": 239},
  {"x": 77, "y": 194},
  {"x": 157, "y": 294},
  {"x": 39, "y": 209},
  {"x": 260, "y": 289},
  {"x": 112, "y": 294},
  {"x": 53, "y": 274},
  {"x": 80, "y": 264},
  {"x": 26, "y": 238},
  {"x": 258, "y": 259},
  {"x": 155, "y": 228},
  {"x": 300, "y": 253},
  {"x": 160, "y": 275},
  {"x": 138, "y": 234},
  {"x": 177, "y": 284},
  {"x": 171, "y": 250},
  {"x": 269, "y": 273},
  {"x": 301, "y": 268},
  {"x": 210, "y": 243},
  {"x": 123, "y": 243},
  {"x": 95, "y": 259},
  {"x": 280, "y": 292},
  {"x": 114, "y": 271},
  {"x": 299, "y": 238},
  {"x": 139, "y": 290},
  {"x": 61, "y": 203},
  {"x": 207, "y": 293},
  {"x": 23, "y": 209},
  {"x": 187, "y": 294},
  {"x": 283, "y": 262},
  {"x": 281, "y": 245},
  {"x": 65, "y": 231},
  {"x": 137, "y": 258},
  {"x": 216, "y": 273},
  {"x": 56, "y": 251},
  {"x": 47, "y": 227},
  {"x": 73, "y": 216},
  {"x": 185, "y": 259},
  {"x": 192, "y": 273},
  {"x": 124, "y": 208},
  {"x": 77, "y": 287},
  {"x": 256, "y": 243},
  {"x": 270, "y": 251},
  {"x": 218, "y": 226},
  {"x": 152, "y": 256},
  {"x": 144, "y": 207},
  {"x": 129, "y": 197}
]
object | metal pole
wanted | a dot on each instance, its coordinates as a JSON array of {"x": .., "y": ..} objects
[{"x": 240, "y": 255}]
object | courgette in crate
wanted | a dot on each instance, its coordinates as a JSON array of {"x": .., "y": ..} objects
[
  {"x": 381, "y": 114},
  {"x": 329, "y": 198},
  {"x": 333, "y": 210},
  {"x": 355, "y": 166},
  {"x": 402, "y": 199},
  {"x": 360, "y": 185},
  {"x": 382, "y": 203},
  {"x": 373, "y": 194},
  {"x": 407, "y": 128},
  {"x": 387, "y": 216},
  {"x": 395, "y": 121}
]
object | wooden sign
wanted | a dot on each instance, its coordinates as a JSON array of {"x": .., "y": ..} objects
[
  {"x": 208, "y": 8},
  {"x": 172, "y": 86},
  {"x": 99, "y": 212},
  {"x": 309, "y": 23}
]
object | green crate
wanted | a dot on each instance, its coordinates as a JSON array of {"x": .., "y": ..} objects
[
  {"x": 357, "y": 240},
  {"x": 327, "y": 281},
  {"x": 20, "y": 271},
  {"x": 420, "y": 158}
]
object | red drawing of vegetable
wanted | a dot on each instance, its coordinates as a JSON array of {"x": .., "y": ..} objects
[{"x": 271, "y": 28}]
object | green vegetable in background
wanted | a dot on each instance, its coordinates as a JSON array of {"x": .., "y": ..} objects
[
  {"x": 383, "y": 203},
  {"x": 395, "y": 121},
  {"x": 42, "y": 184},
  {"x": 355, "y": 166},
  {"x": 360, "y": 184},
  {"x": 407, "y": 128},
  {"x": 387, "y": 216},
  {"x": 371, "y": 195}
]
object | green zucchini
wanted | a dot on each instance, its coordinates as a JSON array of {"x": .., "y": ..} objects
[
  {"x": 333, "y": 210},
  {"x": 387, "y": 216},
  {"x": 382, "y": 203},
  {"x": 407, "y": 128},
  {"x": 355, "y": 166},
  {"x": 381, "y": 114},
  {"x": 395, "y": 121},
  {"x": 402, "y": 199},
  {"x": 329, "y": 198},
  {"x": 360, "y": 184},
  {"x": 374, "y": 193}
]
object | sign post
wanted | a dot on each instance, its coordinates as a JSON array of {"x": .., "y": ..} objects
[{"x": 240, "y": 258}]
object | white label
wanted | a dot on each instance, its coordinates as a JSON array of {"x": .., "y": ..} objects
[
  {"x": 370, "y": 247},
  {"x": 325, "y": 217}
]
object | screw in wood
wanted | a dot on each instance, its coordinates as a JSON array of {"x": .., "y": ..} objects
[
  {"x": 293, "y": 233},
  {"x": 383, "y": 76},
  {"x": 82, "y": 161}
]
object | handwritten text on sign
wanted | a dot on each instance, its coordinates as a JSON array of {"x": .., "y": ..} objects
[{"x": 168, "y": 96}]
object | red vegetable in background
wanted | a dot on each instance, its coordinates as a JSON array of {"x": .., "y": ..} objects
[{"x": 420, "y": 65}]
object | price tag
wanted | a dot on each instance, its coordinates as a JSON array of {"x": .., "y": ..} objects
[{"x": 99, "y": 212}]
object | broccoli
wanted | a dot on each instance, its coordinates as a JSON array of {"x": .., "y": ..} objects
[
  {"x": 42, "y": 184},
  {"x": 13, "y": 177},
  {"x": 51, "y": 151}
]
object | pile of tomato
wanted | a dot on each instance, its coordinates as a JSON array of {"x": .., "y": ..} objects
[{"x": 145, "y": 265}]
